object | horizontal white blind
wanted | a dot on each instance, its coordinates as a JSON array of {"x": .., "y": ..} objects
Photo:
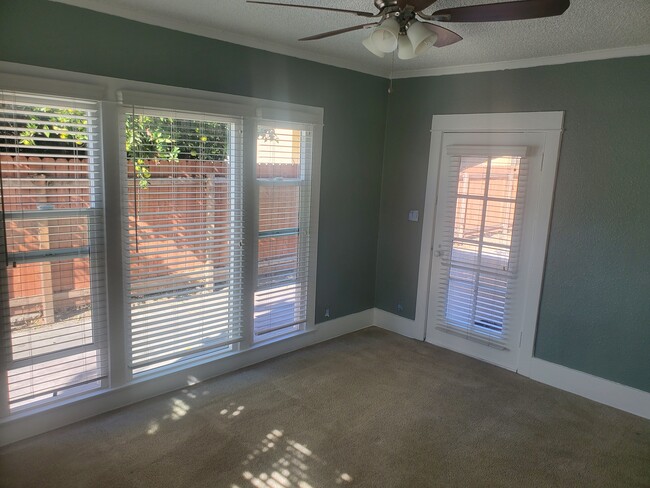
[
  {"x": 52, "y": 263},
  {"x": 182, "y": 188},
  {"x": 284, "y": 155},
  {"x": 480, "y": 241}
]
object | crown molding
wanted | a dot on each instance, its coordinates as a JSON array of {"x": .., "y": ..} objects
[
  {"x": 203, "y": 30},
  {"x": 620, "y": 52}
]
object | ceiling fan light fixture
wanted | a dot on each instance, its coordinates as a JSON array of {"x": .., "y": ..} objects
[
  {"x": 397, "y": 19},
  {"x": 405, "y": 49},
  {"x": 370, "y": 46},
  {"x": 385, "y": 36},
  {"x": 421, "y": 38}
]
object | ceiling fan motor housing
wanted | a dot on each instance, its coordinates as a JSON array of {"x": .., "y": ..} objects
[{"x": 382, "y": 4}]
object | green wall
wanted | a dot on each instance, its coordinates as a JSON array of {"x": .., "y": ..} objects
[
  {"x": 43, "y": 33},
  {"x": 595, "y": 309}
]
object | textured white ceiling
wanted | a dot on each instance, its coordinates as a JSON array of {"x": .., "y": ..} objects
[{"x": 588, "y": 25}]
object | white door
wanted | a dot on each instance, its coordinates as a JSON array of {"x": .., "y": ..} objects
[{"x": 486, "y": 243}]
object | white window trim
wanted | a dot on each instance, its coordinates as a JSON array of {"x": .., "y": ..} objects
[
  {"x": 251, "y": 111},
  {"x": 549, "y": 123},
  {"x": 123, "y": 389}
]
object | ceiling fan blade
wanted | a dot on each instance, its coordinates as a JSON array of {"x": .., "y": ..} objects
[
  {"x": 523, "y": 9},
  {"x": 355, "y": 12},
  {"x": 445, "y": 36},
  {"x": 337, "y": 32}
]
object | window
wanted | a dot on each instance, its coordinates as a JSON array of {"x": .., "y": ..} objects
[
  {"x": 53, "y": 305},
  {"x": 189, "y": 266},
  {"x": 144, "y": 234},
  {"x": 183, "y": 222},
  {"x": 485, "y": 205},
  {"x": 283, "y": 176}
]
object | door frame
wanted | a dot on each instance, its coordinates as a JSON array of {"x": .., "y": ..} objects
[{"x": 551, "y": 125}]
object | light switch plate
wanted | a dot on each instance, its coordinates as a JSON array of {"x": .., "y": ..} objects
[{"x": 414, "y": 215}]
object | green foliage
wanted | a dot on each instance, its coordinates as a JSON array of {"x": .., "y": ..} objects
[
  {"x": 150, "y": 140},
  {"x": 63, "y": 131}
]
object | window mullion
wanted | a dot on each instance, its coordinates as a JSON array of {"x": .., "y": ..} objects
[
  {"x": 251, "y": 222},
  {"x": 117, "y": 324}
]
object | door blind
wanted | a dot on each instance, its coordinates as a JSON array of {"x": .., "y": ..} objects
[
  {"x": 283, "y": 188},
  {"x": 183, "y": 228},
  {"x": 480, "y": 242},
  {"x": 52, "y": 265}
]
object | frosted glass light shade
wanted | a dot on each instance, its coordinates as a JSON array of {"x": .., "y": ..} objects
[
  {"x": 370, "y": 46},
  {"x": 421, "y": 38},
  {"x": 385, "y": 36},
  {"x": 405, "y": 49}
]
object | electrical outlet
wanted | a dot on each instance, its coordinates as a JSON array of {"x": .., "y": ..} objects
[
  {"x": 327, "y": 313},
  {"x": 400, "y": 307}
]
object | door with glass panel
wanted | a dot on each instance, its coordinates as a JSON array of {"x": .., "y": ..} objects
[
  {"x": 52, "y": 302},
  {"x": 481, "y": 241}
]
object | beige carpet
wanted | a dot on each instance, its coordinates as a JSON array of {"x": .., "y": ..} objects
[{"x": 371, "y": 409}]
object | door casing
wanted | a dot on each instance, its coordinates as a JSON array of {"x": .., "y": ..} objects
[{"x": 550, "y": 126}]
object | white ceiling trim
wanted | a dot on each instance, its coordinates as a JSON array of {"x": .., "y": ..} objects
[
  {"x": 621, "y": 52},
  {"x": 209, "y": 32},
  {"x": 258, "y": 43}
]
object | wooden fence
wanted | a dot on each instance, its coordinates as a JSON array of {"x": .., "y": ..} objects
[{"x": 35, "y": 183}]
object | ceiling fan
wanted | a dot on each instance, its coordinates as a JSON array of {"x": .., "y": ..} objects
[{"x": 403, "y": 23}]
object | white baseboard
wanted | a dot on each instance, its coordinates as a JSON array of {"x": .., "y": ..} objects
[
  {"x": 28, "y": 424},
  {"x": 38, "y": 421},
  {"x": 395, "y": 323},
  {"x": 598, "y": 389}
]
